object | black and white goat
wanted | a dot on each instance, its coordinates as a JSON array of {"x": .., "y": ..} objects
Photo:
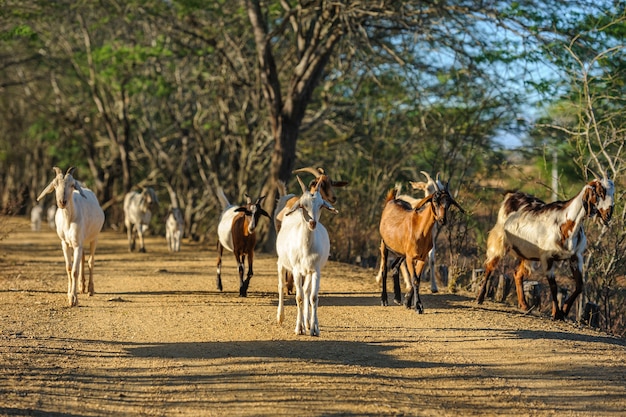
[{"x": 533, "y": 230}]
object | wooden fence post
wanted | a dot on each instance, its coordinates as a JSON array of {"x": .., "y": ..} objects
[
  {"x": 532, "y": 293},
  {"x": 503, "y": 289}
]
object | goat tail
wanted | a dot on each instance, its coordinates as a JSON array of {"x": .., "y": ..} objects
[
  {"x": 222, "y": 197},
  {"x": 496, "y": 248},
  {"x": 282, "y": 188}
]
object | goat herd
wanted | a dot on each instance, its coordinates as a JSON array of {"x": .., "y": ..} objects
[{"x": 528, "y": 228}]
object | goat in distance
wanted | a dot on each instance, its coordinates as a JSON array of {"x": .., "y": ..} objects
[
  {"x": 137, "y": 215},
  {"x": 532, "y": 230},
  {"x": 406, "y": 230},
  {"x": 236, "y": 233}
]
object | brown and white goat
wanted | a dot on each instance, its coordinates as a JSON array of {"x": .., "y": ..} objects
[
  {"x": 236, "y": 232},
  {"x": 533, "y": 230},
  {"x": 407, "y": 231},
  {"x": 322, "y": 183}
]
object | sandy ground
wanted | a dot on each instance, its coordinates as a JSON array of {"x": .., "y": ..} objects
[{"x": 157, "y": 339}]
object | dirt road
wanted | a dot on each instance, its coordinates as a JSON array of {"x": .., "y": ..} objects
[{"x": 157, "y": 339}]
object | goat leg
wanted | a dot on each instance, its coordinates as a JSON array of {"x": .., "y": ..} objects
[
  {"x": 289, "y": 281},
  {"x": 243, "y": 287},
  {"x": 219, "y": 266},
  {"x": 557, "y": 313},
  {"x": 489, "y": 268},
  {"x": 397, "y": 293},
  {"x": 382, "y": 273},
  {"x": 415, "y": 270}
]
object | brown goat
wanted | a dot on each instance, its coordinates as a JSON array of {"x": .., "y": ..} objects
[{"x": 406, "y": 230}]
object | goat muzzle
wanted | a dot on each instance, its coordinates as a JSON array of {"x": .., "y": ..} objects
[
  {"x": 312, "y": 224},
  {"x": 605, "y": 215}
]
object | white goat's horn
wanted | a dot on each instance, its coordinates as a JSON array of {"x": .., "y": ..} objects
[
  {"x": 301, "y": 184},
  {"x": 427, "y": 175},
  {"x": 317, "y": 172}
]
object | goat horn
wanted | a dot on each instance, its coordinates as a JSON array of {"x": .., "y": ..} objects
[
  {"x": 594, "y": 174},
  {"x": 301, "y": 184},
  {"x": 70, "y": 171},
  {"x": 458, "y": 205},
  {"x": 317, "y": 172},
  {"x": 427, "y": 175}
]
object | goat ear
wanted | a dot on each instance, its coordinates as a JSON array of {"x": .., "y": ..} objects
[
  {"x": 57, "y": 171},
  {"x": 293, "y": 208},
  {"x": 46, "y": 190},
  {"x": 264, "y": 213},
  {"x": 418, "y": 185},
  {"x": 242, "y": 209},
  {"x": 329, "y": 207}
]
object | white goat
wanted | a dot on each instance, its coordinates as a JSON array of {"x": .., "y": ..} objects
[
  {"x": 429, "y": 187},
  {"x": 303, "y": 246},
  {"x": 535, "y": 231},
  {"x": 174, "y": 226},
  {"x": 79, "y": 219},
  {"x": 36, "y": 216},
  {"x": 137, "y": 214},
  {"x": 50, "y": 214},
  {"x": 322, "y": 182}
]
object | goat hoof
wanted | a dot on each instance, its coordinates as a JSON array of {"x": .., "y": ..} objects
[
  {"x": 397, "y": 301},
  {"x": 420, "y": 310},
  {"x": 383, "y": 303}
]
